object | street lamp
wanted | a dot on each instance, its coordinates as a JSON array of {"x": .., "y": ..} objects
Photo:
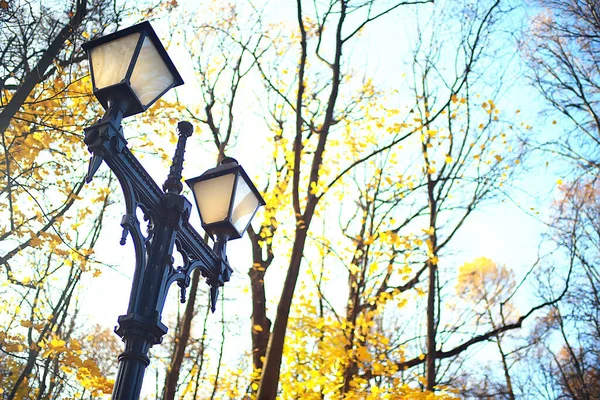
[
  {"x": 130, "y": 71},
  {"x": 131, "y": 68},
  {"x": 227, "y": 201}
]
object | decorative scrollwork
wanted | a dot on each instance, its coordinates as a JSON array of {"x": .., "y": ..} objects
[{"x": 166, "y": 213}]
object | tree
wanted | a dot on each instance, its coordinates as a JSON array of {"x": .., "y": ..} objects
[
  {"x": 563, "y": 60},
  {"x": 318, "y": 110},
  {"x": 487, "y": 288},
  {"x": 468, "y": 156},
  {"x": 566, "y": 337}
]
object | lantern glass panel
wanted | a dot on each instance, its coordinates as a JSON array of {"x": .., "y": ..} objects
[
  {"x": 244, "y": 205},
  {"x": 111, "y": 60},
  {"x": 213, "y": 197},
  {"x": 151, "y": 76}
]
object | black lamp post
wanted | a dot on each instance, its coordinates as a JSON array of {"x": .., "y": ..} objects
[{"x": 130, "y": 71}]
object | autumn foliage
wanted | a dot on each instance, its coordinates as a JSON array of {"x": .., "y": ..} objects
[{"x": 364, "y": 276}]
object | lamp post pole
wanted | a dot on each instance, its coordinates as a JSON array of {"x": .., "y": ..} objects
[
  {"x": 141, "y": 327},
  {"x": 167, "y": 213}
]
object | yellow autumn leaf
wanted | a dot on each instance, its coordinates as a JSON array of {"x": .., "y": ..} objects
[
  {"x": 35, "y": 241},
  {"x": 362, "y": 353},
  {"x": 429, "y": 231},
  {"x": 257, "y": 328},
  {"x": 57, "y": 343},
  {"x": 26, "y": 323},
  {"x": 373, "y": 267},
  {"x": 74, "y": 344},
  {"x": 66, "y": 369}
]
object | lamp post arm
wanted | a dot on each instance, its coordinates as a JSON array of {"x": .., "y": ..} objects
[{"x": 216, "y": 275}]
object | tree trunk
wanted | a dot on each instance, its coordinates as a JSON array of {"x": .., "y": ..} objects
[
  {"x": 261, "y": 325},
  {"x": 269, "y": 380},
  {"x": 182, "y": 340},
  {"x": 509, "y": 388},
  {"x": 355, "y": 287},
  {"x": 432, "y": 282},
  {"x": 431, "y": 331},
  {"x": 351, "y": 368}
]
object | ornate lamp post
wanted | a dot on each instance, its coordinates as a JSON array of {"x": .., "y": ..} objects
[{"x": 130, "y": 71}]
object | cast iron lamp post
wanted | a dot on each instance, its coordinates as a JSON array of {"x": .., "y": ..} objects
[{"x": 130, "y": 70}]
